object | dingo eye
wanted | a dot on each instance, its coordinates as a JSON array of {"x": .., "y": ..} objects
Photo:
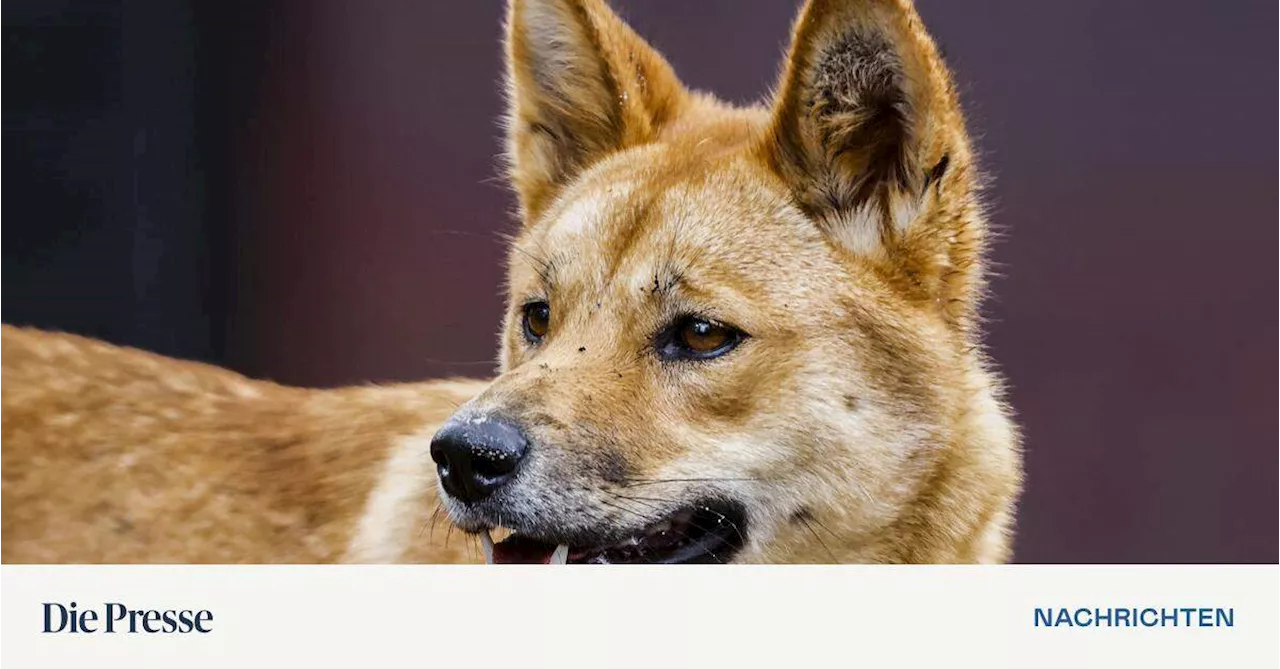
[
  {"x": 537, "y": 320},
  {"x": 693, "y": 338}
]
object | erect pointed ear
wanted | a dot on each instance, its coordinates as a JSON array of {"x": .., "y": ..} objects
[
  {"x": 864, "y": 120},
  {"x": 582, "y": 84}
]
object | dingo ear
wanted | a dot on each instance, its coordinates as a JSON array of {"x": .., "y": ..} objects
[
  {"x": 582, "y": 84},
  {"x": 864, "y": 120}
]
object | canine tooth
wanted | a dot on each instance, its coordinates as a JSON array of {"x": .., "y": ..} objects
[
  {"x": 486, "y": 545},
  {"x": 561, "y": 555}
]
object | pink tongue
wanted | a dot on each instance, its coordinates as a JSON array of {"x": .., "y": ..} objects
[{"x": 516, "y": 549}]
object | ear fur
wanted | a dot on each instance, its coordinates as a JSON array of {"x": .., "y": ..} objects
[
  {"x": 862, "y": 118},
  {"x": 581, "y": 85},
  {"x": 866, "y": 131}
]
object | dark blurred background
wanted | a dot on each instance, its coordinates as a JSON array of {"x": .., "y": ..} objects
[{"x": 308, "y": 192}]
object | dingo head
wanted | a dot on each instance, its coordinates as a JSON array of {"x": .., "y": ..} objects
[{"x": 737, "y": 334}]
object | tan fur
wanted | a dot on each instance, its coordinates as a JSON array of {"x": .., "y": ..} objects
[
  {"x": 839, "y": 227},
  {"x": 117, "y": 455}
]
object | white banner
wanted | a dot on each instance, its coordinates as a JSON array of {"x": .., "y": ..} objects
[{"x": 520, "y": 616}]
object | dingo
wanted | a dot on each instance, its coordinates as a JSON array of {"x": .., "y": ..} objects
[{"x": 733, "y": 335}]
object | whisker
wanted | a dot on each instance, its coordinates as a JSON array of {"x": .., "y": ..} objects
[
  {"x": 695, "y": 525},
  {"x": 807, "y": 526},
  {"x": 543, "y": 267},
  {"x": 647, "y": 499},
  {"x": 623, "y": 508},
  {"x": 635, "y": 499},
  {"x": 732, "y": 524},
  {"x": 435, "y": 515},
  {"x": 736, "y": 529},
  {"x": 682, "y": 534},
  {"x": 825, "y": 528},
  {"x": 643, "y": 482}
]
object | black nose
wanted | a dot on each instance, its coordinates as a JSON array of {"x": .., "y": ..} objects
[{"x": 476, "y": 456}]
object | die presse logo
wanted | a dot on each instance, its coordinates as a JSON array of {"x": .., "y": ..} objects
[{"x": 116, "y": 618}]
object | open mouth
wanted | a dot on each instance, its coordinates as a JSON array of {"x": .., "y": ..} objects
[{"x": 707, "y": 533}]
